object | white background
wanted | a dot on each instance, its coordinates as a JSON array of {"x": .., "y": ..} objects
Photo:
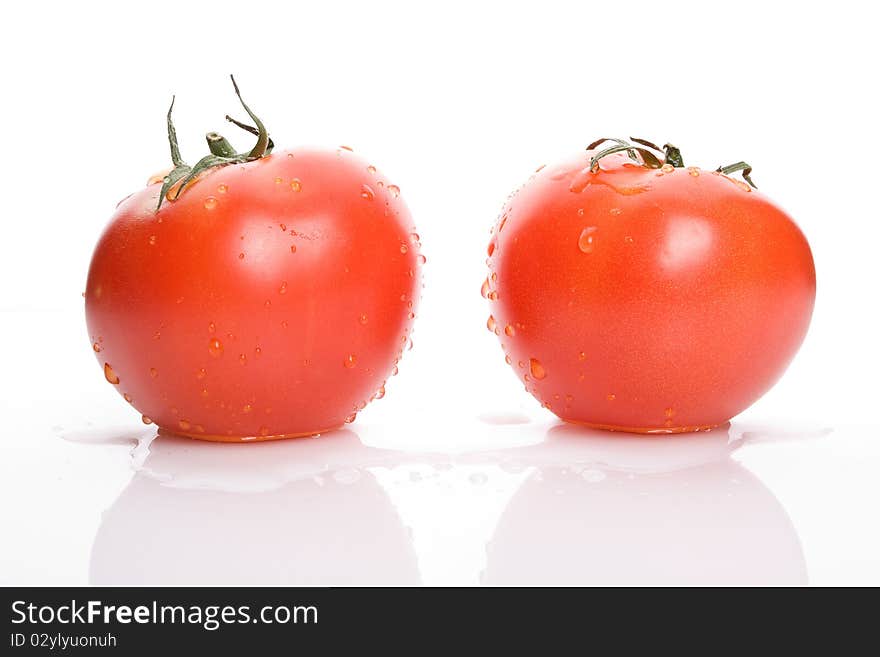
[{"x": 457, "y": 102}]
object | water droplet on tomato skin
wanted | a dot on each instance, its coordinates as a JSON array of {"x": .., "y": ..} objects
[
  {"x": 667, "y": 168},
  {"x": 610, "y": 396},
  {"x": 493, "y": 296},
  {"x": 394, "y": 190},
  {"x": 694, "y": 171},
  {"x": 296, "y": 185},
  {"x": 537, "y": 369},
  {"x": 222, "y": 189},
  {"x": 371, "y": 169},
  {"x": 367, "y": 193},
  {"x": 669, "y": 412},
  {"x": 210, "y": 203},
  {"x": 247, "y": 408},
  {"x": 146, "y": 420},
  {"x": 509, "y": 331},
  {"x": 422, "y": 259},
  {"x": 350, "y": 361},
  {"x": 201, "y": 373},
  {"x": 293, "y": 248},
  {"x": 154, "y": 372},
  {"x": 351, "y": 418},
  {"x": 279, "y": 180},
  {"x": 184, "y": 425},
  {"x": 484, "y": 289},
  {"x": 283, "y": 288},
  {"x": 586, "y": 240},
  {"x": 110, "y": 375},
  {"x": 215, "y": 347},
  {"x": 491, "y": 248},
  {"x": 580, "y": 181},
  {"x": 403, "y": 248},
  {"x": 490, "y": 323},
  {"x": 96, "y": 347},
  {"x": 363, "y": 319},
  {"x": 152, "y": 240}
]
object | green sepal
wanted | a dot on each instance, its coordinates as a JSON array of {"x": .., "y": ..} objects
[
  {"x": 673, "y": 156},
  {"x": 170, "y": 179},
  {"x": 645, "y": 157},
  {"x": 207, "y": 162},
  {"x": 744, "y": 167},
  {"x": 176, "y": 160},
  {"x": 253, "y": 131}
]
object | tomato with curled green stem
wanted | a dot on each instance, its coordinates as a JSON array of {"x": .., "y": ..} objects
[
  {"x": 255, "y": 295},
  {"x": 632, "y": 293}
]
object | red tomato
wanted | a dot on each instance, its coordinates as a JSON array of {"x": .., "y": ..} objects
[
  {"x": 272, "y": 299},
  {"x": 647, "y": 300}
]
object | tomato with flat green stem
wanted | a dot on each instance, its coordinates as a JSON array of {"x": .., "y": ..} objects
[
  {"x": 632, "y": 293},
  {"x": 255, "y": 296}
]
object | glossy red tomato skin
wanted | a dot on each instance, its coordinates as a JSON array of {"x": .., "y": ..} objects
[
  {"x": 647, "y": 300},
  {"x": 271, "y": 299}
]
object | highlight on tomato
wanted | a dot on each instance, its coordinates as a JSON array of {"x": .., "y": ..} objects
[
  {"x": 633, "y": 293},
  {"x": 255, "y": 295}
]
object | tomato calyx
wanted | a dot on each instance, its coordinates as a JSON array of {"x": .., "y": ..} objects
[
  {"x": 222, "y": 152},
  {"x": 651, "y": 156}
]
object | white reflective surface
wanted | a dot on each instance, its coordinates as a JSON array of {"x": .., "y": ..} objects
[
  {"x": 424, "y": 488},
  {"x": 577, "y": 507}
]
